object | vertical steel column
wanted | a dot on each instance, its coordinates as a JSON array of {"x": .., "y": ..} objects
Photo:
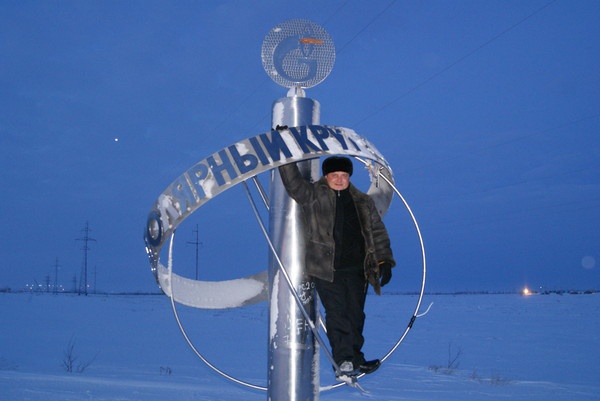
[{"x": 293, "y": 360}]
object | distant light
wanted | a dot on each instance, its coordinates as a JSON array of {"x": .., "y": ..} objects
[
  {"x": 116, "y": 139},
  {"x": 526, "y": 291}
]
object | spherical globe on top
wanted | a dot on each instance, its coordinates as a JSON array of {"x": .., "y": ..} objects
[{"x": 298, "y": 53}]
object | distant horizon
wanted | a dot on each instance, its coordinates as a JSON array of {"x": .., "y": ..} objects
[{"x": 570, "y": 291}]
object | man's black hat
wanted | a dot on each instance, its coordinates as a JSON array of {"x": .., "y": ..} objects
[{"x": 337, "y": 163}]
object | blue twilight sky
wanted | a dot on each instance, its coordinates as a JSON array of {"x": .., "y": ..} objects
[{"x": 488, "y": 111}]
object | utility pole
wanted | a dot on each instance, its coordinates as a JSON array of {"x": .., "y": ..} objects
[
  {"x": 197, "y": 243},
  {"x": 83, "y": 283},
  {"x": 56, "y": 266}
]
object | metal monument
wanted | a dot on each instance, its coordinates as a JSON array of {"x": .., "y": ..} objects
[{"x": 297, "y": 54}]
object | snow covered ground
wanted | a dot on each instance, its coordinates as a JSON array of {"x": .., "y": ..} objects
[{"x": 500, "y": 347}]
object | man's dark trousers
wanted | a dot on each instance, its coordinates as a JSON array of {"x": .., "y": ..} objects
[{"x": 344, "y": 302}]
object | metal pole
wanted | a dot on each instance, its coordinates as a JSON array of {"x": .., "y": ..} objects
[
  {"x": 293, "y": 359},
  {"x": 56, "y": 265}
]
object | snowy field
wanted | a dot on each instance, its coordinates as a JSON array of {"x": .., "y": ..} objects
[{"x": 467, "y": 348}]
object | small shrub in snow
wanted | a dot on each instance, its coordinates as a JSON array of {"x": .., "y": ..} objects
[
  {"x": 70, "y": 360},
  {"x": 452, "y": 363}
]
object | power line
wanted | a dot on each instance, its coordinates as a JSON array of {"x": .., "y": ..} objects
[
  {"x": 542, "y": 132},
  {"x": 517, "y": 214},
  {"x": 336, "y": 12},
  {"x": 83, "y": 282},
  {"x": 56, "y": 266},
  {"x": 197, "y": 243},
  {"x": 454, "y": 63},
  {"x": 364, "y": 28}
]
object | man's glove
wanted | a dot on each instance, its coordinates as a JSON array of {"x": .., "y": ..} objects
[{"x": 385, "y": 272}]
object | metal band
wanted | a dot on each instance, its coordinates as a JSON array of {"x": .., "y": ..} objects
[{"x": 239, "y": 162}]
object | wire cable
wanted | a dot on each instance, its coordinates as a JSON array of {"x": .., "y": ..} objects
[
  {"x": 454, "y": 63},
  {"x": 364, "y": 28}
]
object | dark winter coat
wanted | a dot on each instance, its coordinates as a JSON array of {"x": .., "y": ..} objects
[{"x": 318, "y": 202}]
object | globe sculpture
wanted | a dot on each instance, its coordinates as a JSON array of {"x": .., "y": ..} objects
[{"x": 297, "y": 54}]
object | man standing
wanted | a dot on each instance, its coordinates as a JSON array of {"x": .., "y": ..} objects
[{"x": 347, "y": 247}]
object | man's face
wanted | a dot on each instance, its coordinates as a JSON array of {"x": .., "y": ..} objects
[{"x": 338, "y": 180}]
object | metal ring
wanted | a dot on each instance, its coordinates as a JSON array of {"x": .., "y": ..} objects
[{"x": 244, "y": 160}]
